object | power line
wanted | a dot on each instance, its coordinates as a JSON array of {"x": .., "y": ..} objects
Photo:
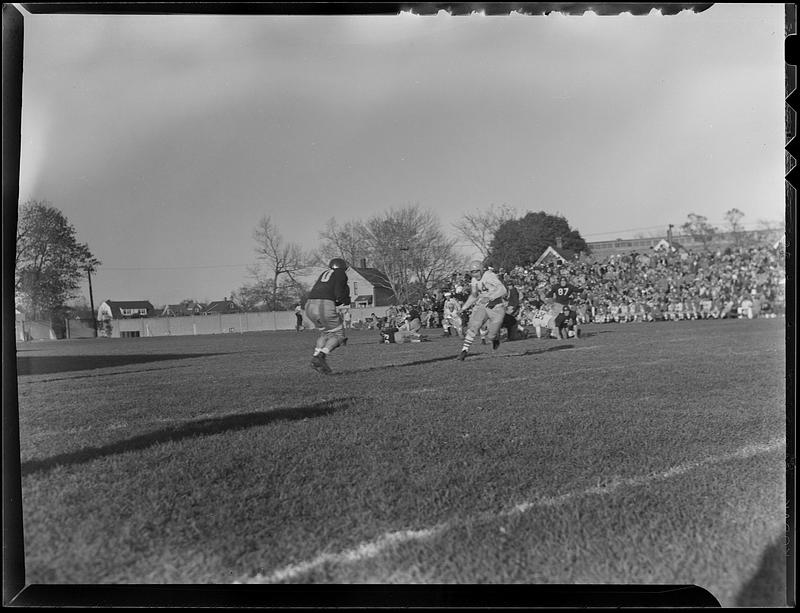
[
  {"x": 174, "y": 267},
  {"x": 621, "y": 231}
]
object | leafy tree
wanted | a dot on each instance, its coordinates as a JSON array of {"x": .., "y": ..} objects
[
  {"x": 80, "y": 309},
  {"x": 479, "y": 227},
  {"x": 523, "y": 241},
  {"x": 700, "y": 230},
  {"x": 50, "y": 262}
]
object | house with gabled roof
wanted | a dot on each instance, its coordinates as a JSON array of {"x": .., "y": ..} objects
[
  {"x": 557, "y": 255},
  {"x": 221, "y": 307},
  {"x": 369, "y": 287},
  {"x": 672, "y": 246},
  {"x": 124, "y": 309},
  {"x": 182, "y": 310}
]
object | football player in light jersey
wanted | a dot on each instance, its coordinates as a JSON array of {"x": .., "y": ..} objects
[
  {"x": 329, "y": 293},
  {"x": 541, "y": 317},
  {"x": 451, "y": 318},
  {"x": 487, "y": 294}
]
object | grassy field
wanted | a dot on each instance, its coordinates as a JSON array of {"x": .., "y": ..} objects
[{"x": 639, "y": 454}]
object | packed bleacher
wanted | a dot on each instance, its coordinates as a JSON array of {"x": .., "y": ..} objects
[
  {"x": 662, "y": 286},
  {"x": 745, "y": 282}
]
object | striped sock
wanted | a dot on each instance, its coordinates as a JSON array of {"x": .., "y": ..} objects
[{"x": 468, "y": 338}]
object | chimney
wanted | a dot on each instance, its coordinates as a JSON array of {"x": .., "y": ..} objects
[
  {"x": 669, "y": 234},
  {"x": 363, "y": 262},
  {"x": 559, "y": 244}
]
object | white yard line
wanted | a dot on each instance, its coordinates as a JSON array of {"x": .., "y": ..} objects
[{"x": 372, "y": 549}]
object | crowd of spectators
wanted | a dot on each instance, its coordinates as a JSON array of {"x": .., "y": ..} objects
[
  {"x": 744, "y": 282},
  {"x": 666, "y": 286}
]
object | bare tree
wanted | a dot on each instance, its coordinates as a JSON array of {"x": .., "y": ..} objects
[
  {"x": 281, "y": 259},
  {"x": 479, "y": 227},
  {"x": 342, "y": 241},
  {"x": 408, "y": 245},
  {"x": 735, "y": 225},
  {"x": 700, "y": 230}
]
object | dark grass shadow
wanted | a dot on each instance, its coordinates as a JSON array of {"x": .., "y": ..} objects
[
  {"x": 471, "y": 357},
  {"x": 767, "y": 587},
  {"x": 216, "y": 425},
  {"x": 585, "y": 334},
  {"x": 98, "y": 375},
  {"x": 45, "y": 365}
]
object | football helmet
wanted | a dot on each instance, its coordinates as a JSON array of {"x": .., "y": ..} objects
[{"x": 337, "y": 263}]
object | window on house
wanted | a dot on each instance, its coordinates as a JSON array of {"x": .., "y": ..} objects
[{"x": 355, "y": 287}]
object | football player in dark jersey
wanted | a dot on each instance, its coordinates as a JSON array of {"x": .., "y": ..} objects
[
  {"x": 329, "y": 292},
  {"x": 564, "y": 292},
  {"x": 567, "y": 323}
]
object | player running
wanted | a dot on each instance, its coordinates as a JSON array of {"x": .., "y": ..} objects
[
  {"x": 329, "y": 292},
  {"x": 488, "y": 294}
]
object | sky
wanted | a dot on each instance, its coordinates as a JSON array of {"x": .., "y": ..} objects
[{"x": 165, "y": 139}]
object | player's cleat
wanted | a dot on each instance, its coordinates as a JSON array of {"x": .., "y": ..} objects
[
  {"x": 495, "y": 344},
  {"x": 320, "y": 364},
  {"x": 483, "y": 341},
  {"x": 462, "y": 355},
  {"x": 344, "y": 341}
]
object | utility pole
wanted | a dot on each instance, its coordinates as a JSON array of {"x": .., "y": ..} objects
[
  {"x": 91, "y": 302},
  {"x": 403, "y": 251}
]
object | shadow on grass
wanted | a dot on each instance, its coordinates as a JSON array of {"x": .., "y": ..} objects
[
  {"x": 45, "y": 365},
  {"x": 201, "y": 427},
  {"x": 767, "y": 588},
  {"x": 472, "y": 356}
]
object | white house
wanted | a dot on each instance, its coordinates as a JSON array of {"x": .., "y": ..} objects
[
  {"x": 369, "y": 287},
  {"x": 124, "y": 309}
]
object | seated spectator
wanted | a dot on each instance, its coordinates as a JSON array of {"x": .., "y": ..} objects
[
  {"x": 409, "y": 330},
  {"x": 745, "y": 308}
]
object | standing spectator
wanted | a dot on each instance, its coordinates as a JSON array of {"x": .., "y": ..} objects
[{"x": 298, "y": 313}]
